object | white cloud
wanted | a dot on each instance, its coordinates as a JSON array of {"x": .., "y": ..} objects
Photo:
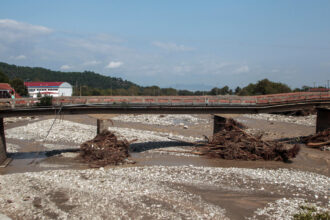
[
  {"x": 171, "y": 46},
  {"x": 114, "y": 64},
  {"x": 20, "y": 26},
  {"x": 19, "y": 57},
  {"x": 65, "y": 67},
  {"x": 91, "y": 63},
  {"x": 242, "y": 69}
]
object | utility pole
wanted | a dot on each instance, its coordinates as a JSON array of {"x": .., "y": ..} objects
[
  {"x": 76, "y": 88},
  {"x": 328, "y": 83},
  {"x": 314, "y": 84},
  {"x": 111, "y": 87}
]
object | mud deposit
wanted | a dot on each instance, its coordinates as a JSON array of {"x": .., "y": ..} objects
[{"x": 166, "y": 182}]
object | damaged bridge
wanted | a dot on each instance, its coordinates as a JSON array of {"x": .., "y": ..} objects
[{"x": 167, "y": 105}]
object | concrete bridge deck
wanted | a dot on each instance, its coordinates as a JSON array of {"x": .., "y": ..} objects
[{"x": 167, "y": 105}]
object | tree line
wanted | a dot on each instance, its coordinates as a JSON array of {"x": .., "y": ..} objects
[
  {"x": 88, "y": 83},
  {"x": 15, "y": 83}
]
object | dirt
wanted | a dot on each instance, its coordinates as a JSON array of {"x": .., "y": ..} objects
[{"x": 237, "y": 204}]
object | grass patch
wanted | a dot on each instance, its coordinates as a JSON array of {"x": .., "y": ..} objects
[{"x": 311, "y": 213}]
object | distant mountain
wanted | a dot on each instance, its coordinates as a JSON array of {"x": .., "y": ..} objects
[{"x": 86, "y": 78}]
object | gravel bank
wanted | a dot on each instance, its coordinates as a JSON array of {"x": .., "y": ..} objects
[
  {"x": 72, "y": 132},
  {"x": 301, "y": 120},
  {"x": 12, "y": 148},
  {"x": 149, "y": 192},
  {"x": 167, "y": 120}
]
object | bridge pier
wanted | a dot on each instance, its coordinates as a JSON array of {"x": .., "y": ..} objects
[
  {"x": 218, "y": 123},
  {"x": 3, "y": 148},
  {"x": 102, "y": 124},
  {"x": 323, "y": 119}
]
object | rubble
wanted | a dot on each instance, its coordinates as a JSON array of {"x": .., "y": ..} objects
[
  {"x": 104, "y": 149},
  {"x": 233, "y": 143},
  {"x": 319, "y": 140}
]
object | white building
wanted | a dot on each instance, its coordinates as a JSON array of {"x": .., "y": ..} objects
[{"x": 54, "y": 89}]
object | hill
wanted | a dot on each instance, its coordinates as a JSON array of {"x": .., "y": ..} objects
[
  {"x": 91, "y": 83},
  {"x": 86, "y": 78}
]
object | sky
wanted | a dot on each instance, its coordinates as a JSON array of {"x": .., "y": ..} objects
[{"x": 182, "y": 44}]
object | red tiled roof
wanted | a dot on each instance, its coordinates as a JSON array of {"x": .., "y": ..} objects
[
  {"x": 41, "y": 84},
  {"x": 5, "y": 86},
  {"x": 48, "y": 92}
]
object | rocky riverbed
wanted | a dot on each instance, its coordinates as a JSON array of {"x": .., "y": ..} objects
[{"x": 165, "y": 182}]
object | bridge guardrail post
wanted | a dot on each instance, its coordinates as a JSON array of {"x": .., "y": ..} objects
[{"x": 3, "y": 148}]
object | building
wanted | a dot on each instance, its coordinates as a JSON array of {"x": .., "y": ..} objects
[
  {"x": 6, "y": 91},
  {"x": 54, "y": 89}
]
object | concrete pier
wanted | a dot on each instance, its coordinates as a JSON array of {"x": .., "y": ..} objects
[
  {"x": 323, "y": 119},
  {"x": 218, "y": 123},
  {"x": 103, "y": 124},
  {"x": 3, "y": 148}
]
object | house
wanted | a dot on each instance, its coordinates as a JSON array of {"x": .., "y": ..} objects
[
  {"x": 54, "y": 89},
  {"x": 6, "y": 91}
]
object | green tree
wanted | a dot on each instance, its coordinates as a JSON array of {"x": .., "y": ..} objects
[
  {"x": 19, "y": 86},
  {"x": 264, "y": 87},
  {"x": 133, "y": 90},
  {"x": 3, "y": 78},
  {"x": 238, "y": 90},
  {"x": 185, "y": 93}
]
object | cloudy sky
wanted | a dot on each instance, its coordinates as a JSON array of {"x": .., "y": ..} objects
[{"x": 183, "y": 44}]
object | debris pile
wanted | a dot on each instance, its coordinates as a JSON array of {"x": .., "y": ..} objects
[
  {"x": 233, "y": 143},
  {"x": 319, "y": 140},
  {"x": 104, "y": 149}
]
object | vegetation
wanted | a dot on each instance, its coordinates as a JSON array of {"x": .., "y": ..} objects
[
  {"x": 264, "y": 87},
  {"x": 19, "y": 87},
  {"x": 45, "y": 101},
  {"x": 88, "y": 83},
  {"x": 16, "y": 83},
  {"x": 311, "y": 213},
  {"x": 3, "y": 78}
]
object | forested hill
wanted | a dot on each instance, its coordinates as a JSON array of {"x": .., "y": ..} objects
[
  {"x": 86, "y": 78},
  {"x": 90, "y": 83}
]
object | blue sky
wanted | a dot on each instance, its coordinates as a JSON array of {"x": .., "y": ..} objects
[{"x": 183, "y": 44}]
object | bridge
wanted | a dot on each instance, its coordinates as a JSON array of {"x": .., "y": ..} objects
[{"x": 167, "y": 105}]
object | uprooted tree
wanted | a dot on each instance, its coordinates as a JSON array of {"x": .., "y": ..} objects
[
  {"x": 235, "y": 144},
  {"x": 104, "y": 149}
]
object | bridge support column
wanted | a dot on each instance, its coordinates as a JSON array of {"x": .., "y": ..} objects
[
  {"x": 3, "y": 148},
  {"x": 218, "y": 123},
  {"x": 323, "y": 119},
  {"x": 103, "y": 124}
]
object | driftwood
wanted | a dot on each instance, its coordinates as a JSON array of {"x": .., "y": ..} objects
[
  {"x": 318, "y": 140},
  {"x": 234, "y": 143},
  {"x": 311, "y": 144},
  {"x": 104, "y": 149}
]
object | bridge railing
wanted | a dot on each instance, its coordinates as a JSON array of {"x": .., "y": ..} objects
[{"x": 282, "y": 98}]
